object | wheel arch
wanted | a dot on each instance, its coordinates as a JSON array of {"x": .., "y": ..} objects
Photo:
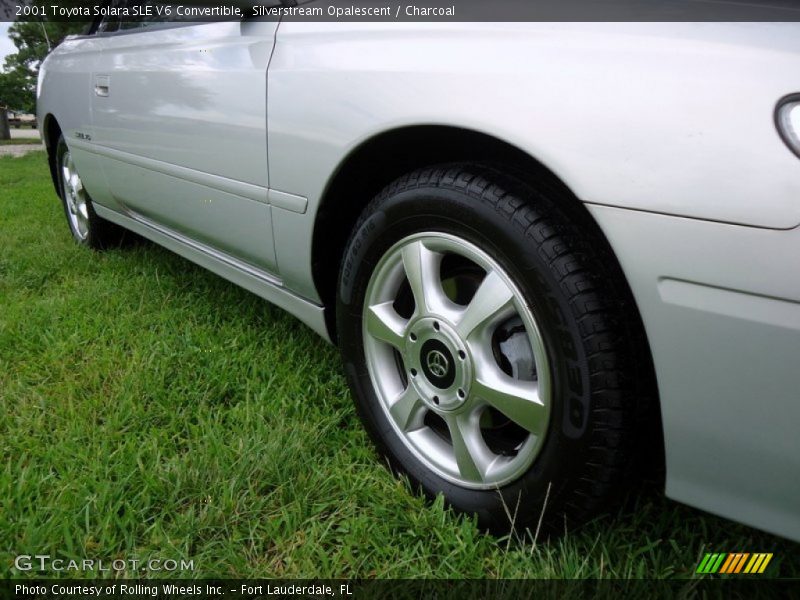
[
  {"x": 382, "y": 158},
  {"x": 51, "y": 131},
  {"x": 378, "y": 160}
]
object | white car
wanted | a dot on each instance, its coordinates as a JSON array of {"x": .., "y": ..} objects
[{"x": 544, "y": 250}]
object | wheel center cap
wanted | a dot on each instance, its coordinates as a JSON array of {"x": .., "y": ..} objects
[{"x": 438, "y": 364}]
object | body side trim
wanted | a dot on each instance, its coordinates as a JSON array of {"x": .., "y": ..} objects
[
  {"x": 284, "y": 200},
  {"x": 218, "y": 254},
  {"x": 287, "y": 201},
  {"x": 737, "y": 304},
  {"x": 231, "y": 186}
]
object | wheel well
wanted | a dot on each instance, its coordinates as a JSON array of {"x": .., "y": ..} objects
[
  {"x": 50, "y": 134},
  {"x": 382, "y": 159},
  {"x": 385, "y": 157}
]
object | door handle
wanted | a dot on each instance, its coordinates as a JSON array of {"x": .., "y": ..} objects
[{"x": 101, "y": 85}]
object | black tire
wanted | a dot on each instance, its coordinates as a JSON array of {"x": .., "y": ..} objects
[
  {"x": 587, "y": 453},
  {"x": 101, "y": 234}
]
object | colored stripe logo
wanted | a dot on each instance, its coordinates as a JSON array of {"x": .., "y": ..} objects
[{"x": 734, "y": 563}]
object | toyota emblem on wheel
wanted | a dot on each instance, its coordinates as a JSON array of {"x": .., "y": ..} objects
[{"x": 437, "y": 363}]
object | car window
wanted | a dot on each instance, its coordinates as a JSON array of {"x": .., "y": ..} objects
[
  {"x": 153, "y": 13},
  {"x": 110, "y": 22},
  {"x": 150, "y": 14}
]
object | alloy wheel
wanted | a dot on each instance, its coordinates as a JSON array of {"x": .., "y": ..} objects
[
  {"x": 75, "y": 197},
  {"x": 457, "y": 360}
]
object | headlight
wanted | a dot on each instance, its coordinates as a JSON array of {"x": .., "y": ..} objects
[{"x": 787, "y": 120}]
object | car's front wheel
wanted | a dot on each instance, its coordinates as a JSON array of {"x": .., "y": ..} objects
[{"x": 484, "y": 347}]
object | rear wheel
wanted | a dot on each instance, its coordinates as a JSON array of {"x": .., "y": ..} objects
[
  {"x": 86, "y": 227},
  {"x": 484, "y": 347}
]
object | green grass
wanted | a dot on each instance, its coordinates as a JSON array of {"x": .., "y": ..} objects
[
  {"x": 20, "y": 141},
  {"x": 150, "y": 409}
]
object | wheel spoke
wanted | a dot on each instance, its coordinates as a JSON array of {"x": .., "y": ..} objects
[
  {"x": 68, "y": 195},
  {"x": 74, "y": 183},
  {"x": 408, "y": 410},
  {"x": 384, "y": 324},
  {"x": 422, "y": 270},
  {"x": 517, "y": 399},
  {"x": 472, "y": 455},
  {"x": 491, "y": 302},
  {"x": 82, "y": 210}
]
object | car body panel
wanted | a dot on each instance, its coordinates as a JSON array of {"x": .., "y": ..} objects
[
  {"x": 722, "y": 313},
  {"x": 180, "y": 133},
  {"x": 658, "y": 128},
  {"x": 193, "y": 96},
  {"x": 660, "y": 117},
  {"x": 64, "y": 78}
]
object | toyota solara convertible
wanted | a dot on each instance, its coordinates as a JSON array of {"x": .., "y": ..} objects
[{"x": 555, "y": 257}]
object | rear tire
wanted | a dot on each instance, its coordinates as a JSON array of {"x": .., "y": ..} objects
[
  {"x": 435, "y": 253},
  {"x": 86, "y": 227}
]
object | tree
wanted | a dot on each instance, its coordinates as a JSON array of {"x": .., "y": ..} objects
[
  {"x": 13, "y": 94},
  {"x": 21, "y": 69}
]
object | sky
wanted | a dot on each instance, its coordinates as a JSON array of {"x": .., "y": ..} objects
[{"x": 6, "y": 47}]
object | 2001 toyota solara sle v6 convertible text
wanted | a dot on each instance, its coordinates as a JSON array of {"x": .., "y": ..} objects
[{"x": 544, "y": 250}]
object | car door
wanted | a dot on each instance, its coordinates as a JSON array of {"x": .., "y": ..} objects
[{"x": 179, "y": 121}]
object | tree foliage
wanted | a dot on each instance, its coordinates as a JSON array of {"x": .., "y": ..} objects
[{"x": 21, "y": 69}]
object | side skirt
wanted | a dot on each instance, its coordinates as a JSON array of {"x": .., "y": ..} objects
[{"x": 259, "y": 282}]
